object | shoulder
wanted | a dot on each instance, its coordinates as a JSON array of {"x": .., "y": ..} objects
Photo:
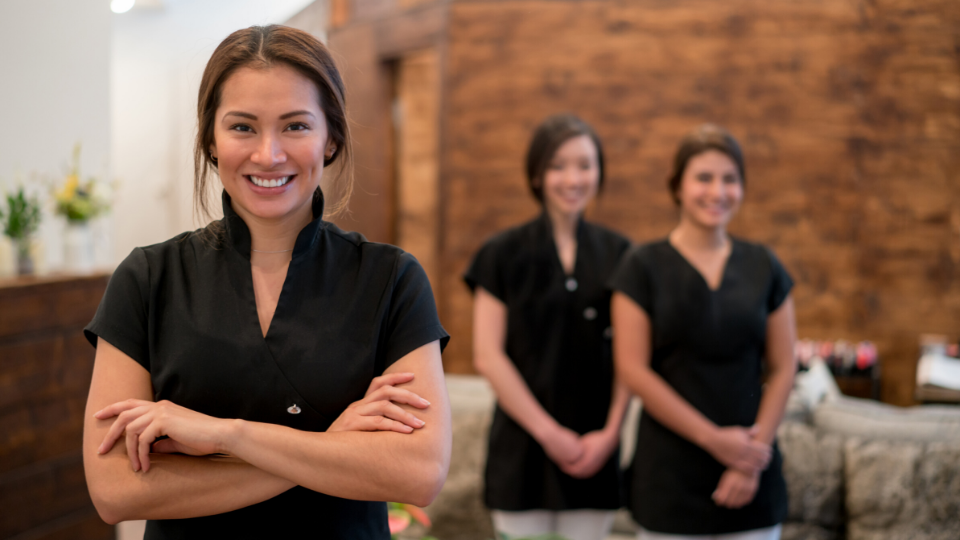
[
  {"x": 757, "y": 253},
  {"x": 651, "y": 253},
  {"x": 368, "y": 256},
  {"x": 514, "y": 237},
  {"x": 145, "y": 259},
  {"x": 607, "y": 238}
]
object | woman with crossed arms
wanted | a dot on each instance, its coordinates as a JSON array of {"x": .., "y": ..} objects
[{"x": 257, "y": 378}]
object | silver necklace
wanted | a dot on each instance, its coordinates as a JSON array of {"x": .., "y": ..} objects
[{"x": 281, "y": 251}]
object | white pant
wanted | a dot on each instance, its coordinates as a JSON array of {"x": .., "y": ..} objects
[
  {"x": 769, "y": 533},
  {"x": 571, "y": 524}
]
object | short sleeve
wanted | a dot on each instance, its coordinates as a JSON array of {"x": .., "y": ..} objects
[
  {"x": 633, "y": 279},
  {"x": 412, "y": 320},
  {"x": 121, "y": 318},
  {"x": 781, "y": 283},
  {"x": 485, "y": 271}
]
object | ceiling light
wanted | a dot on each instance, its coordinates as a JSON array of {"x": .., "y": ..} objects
[{"x": 121, "y": 6}]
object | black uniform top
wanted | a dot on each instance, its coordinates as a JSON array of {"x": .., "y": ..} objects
[
  {"x": 558, "y": 336},
  {"x": 708, "y": 345},
  {"x": 349, "y": 308}
]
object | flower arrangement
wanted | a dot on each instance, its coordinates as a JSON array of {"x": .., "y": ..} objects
[
  {"x": 400, "y": 516},
  {"x": 80, "y": 201},
  {"x": 22, "y": 216},
  {"x": 20, "y": 221}
]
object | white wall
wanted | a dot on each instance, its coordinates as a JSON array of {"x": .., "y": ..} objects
[
  {"x": 55, "y": 91},
  {"x": 125, "y": 86},
  {"x": 158, "y": 56}
]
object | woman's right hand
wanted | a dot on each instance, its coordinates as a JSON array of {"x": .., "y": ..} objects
[
  {"x": 378, "y": 410},
  {"x": 562, "y": 445},
  {"x": 735, "y": 447}
]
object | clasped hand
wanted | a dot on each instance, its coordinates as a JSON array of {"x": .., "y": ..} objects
[
  {"x": 142, "y": 423},
  {"x": 745, "y": 458},
  {"x": 580, "y": 456}
]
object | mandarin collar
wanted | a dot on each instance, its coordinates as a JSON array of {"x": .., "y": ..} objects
[{"x": 238, "y": 234}]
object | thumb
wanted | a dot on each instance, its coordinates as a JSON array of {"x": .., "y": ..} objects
[{"x": 754, "y": 431}]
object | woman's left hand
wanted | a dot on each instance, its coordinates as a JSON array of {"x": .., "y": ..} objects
[
  {"x": 597, "y": 447},
  {"x": 142, "y": 422},
  {"x": 736, "y": 488}
]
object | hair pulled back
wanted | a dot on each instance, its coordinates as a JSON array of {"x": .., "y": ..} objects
[
  {"x": 547, "y": 138},
  {"x": 262, "y": 47}
]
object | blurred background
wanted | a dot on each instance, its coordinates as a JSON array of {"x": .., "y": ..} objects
[{"x": 848, "y": 112}]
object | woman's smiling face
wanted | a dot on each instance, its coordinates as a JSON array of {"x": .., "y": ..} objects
[
  {"x": 711, "y": 189},
  {"x": 572, "y": 177},
  {"x": 270, "y": 137}
]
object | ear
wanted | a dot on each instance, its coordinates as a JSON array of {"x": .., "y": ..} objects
[
  {"x": 331, "y": 150},
  {"x": 212, "y": 151}
]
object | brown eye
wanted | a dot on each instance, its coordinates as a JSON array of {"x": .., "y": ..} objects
[
  {"x": 704, "y": 177},
  {"x": 731, "y": 179}
]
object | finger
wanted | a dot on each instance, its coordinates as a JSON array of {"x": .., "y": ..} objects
[
  {"x": 113, "y": 410},
  {"x": 381, "y": 423},
  {"x": 394, "y": 412},
  {"x": 398, "y": 395},
  {"x": 754, "y": 431},
  {"x": 119, "y": 426},
  {"x": 131, "y": 441},
  {"x": 147, "y": 437},
  {"x": 723, "y": 490},
  {"x": 390, "y": 379}
]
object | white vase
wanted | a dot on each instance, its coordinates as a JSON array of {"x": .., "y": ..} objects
[{"x": 78, "y": 247}]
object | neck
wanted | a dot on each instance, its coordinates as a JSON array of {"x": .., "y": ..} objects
[
  {"x": 278, "y": 235},
  {"x": 697, "y": 237},
  {"x": 564, "y": 225}
]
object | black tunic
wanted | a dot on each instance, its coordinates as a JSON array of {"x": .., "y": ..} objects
[
  {"x": 558, "y": 336},
  {"x": 185, "y": 310},
  {"x": 709, "y": 346}
]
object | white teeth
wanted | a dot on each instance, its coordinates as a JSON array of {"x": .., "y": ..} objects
[{"x": 262, "y": 182}]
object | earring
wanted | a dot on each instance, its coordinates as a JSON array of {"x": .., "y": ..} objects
[{"x": 213, "y": 158}]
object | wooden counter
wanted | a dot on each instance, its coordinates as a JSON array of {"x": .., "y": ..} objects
[{"x": 45, "y": 367}]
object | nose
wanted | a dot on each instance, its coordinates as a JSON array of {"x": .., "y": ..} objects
[
  {"x": 716, "y": 187},
  {"x": 269, "y": 152}
]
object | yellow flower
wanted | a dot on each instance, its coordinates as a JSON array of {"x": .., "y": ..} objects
[{"x": 69, "y": 188}]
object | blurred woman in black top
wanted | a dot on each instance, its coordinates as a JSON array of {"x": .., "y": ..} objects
[
  {"x": 697, "y": 318},
  {"x": 542, "y": 338}
]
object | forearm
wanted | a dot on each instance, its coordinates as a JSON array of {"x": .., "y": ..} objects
[
  {"x": 618, "y": 407},
  {"x": 513, "y": 395},
  {"x": 664, "y": 404},
  {"x": 176, "y": 486},
  {"x": 374, "y": 466},
  {"x": 772, "y": 404}
]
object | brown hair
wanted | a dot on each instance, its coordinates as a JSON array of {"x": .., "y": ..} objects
[
  {"x": 262, "y": 47},
  {"x": 704, "y": 137},
  {"x": 547, "y": 138}
]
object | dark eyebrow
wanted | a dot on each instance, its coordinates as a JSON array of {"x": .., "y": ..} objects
[
  {"x": 282, "y": 116},
  {"x": 241, "y": 114},
  {"x": 295, "y": 113}
]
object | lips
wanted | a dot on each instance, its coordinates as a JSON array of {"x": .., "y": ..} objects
[{"x": 269, "y": 182}]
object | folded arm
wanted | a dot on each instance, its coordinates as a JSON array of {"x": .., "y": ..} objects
[
  {"x": 177, "y": 486},
  {"x": 268, "y": 459}
]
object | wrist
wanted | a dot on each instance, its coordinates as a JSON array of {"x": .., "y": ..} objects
[
  {"x": 230, "y": 433},
  {"x": 706, "y": 438},
  {"x": 544, "y": 430}
]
